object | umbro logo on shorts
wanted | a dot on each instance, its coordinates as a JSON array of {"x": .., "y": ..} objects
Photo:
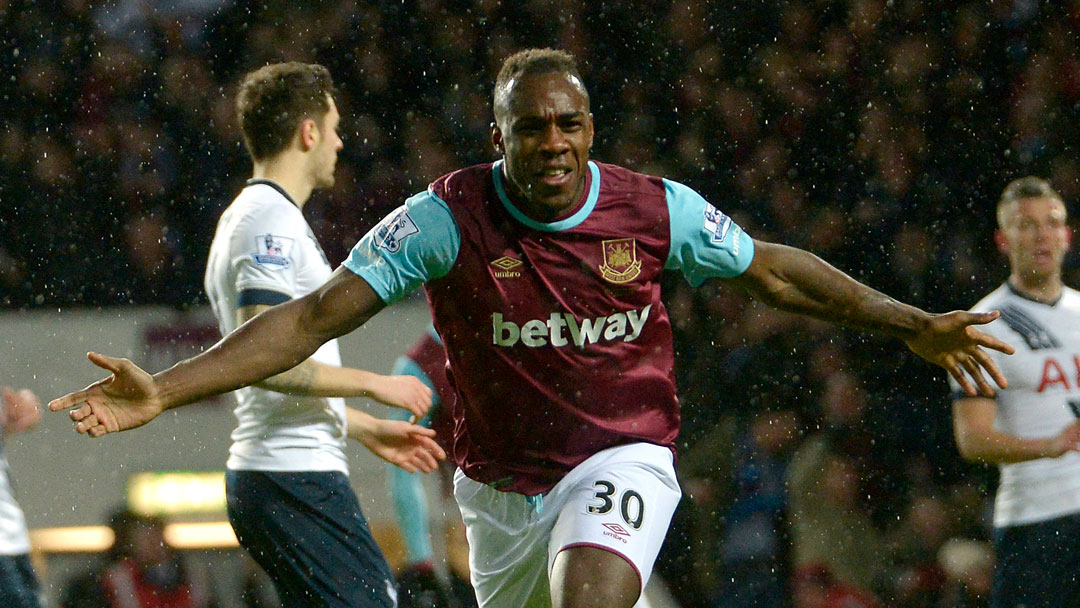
[{"x": 616, "y": 531}]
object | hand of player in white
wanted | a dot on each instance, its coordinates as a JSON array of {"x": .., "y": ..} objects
[
  {"x": 951, "y": 341},
  {"x": 1068, "y": 440},
  {"x": 403, "y": 444},
  {"x": 21, "y": 410},
  {"x": 125, "y": 400},
  {"x": 403, "y": 391}
]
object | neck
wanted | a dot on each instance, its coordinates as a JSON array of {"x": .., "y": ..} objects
[
  {"x": 1041, "y": 289},
  {"x": 287, "y": 171},
  {"x": 541, "y": 212}
]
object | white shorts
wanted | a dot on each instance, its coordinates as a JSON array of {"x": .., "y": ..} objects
[{"x": 620, "y": 500}]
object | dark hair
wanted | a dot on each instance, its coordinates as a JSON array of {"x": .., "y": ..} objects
[
  {"x": 274, "y": 99},
  {"x": 535, "y": 61},
  {"x": 1025, "y": 187}
]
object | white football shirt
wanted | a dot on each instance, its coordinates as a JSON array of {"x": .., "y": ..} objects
[
  {"x": 1042, "y": 399},
  {"x": 13, "y": 535},
  {"x": 264, "y": 252}
]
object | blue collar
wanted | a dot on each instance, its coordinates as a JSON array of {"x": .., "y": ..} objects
[{"x": 563, "y": 224}]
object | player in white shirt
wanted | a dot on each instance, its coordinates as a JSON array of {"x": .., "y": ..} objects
[
  {"x": 1031, "y": 429},
  {"x": 19, "y": 588},
  {"x": 289, "y": 497}
]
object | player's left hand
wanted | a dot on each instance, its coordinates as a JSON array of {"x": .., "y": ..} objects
[
  {"x": 951, "y": 341},
  {"x": 403, "y": 444},
  {"x": 404, "y": 391}
]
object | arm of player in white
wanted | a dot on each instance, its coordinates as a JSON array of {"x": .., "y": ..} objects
[
  {"x": 979, "y": 441},
  {"x": 314, "y": 379}
]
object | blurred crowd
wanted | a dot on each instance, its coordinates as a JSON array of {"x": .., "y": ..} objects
[{"x": 818, "y": 463}]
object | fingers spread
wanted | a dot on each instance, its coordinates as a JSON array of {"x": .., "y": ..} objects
[
  {"x": 975, "y": 372},
  {"x": 104, "y": 362},
  {"x": 988, "y": 341},
  {"x": 961, "y": 379},
  {"x": 987, "y": 363},
  {"x": 78, "y": 414},
  {"x": 69, "y": 400}
]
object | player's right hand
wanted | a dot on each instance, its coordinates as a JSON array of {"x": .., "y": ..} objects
[{"x": 125, "y": 400}]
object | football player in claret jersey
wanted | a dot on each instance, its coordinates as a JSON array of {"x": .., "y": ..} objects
[
  {"x": 542, "y": 272},
  {"x": 1031, "y": 430}
]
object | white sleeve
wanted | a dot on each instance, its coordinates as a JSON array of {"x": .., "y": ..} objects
[{"x": 266, "y": 253}]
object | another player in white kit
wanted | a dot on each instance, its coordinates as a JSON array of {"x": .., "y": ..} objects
[
  {"x": 1032, "y": 428},
  {"x": 19, "y": 588}
]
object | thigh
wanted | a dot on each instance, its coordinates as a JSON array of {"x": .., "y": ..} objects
[
  {"x": 18, "y": 585},
  {"x": 307, "y": 532},
  {"x": 620, "y": 501},
  {"x": 507, "y": 537}
]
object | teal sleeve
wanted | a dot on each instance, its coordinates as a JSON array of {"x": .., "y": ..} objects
[
  {"x": 407, "y": 489},
  {"x": 705, "y": 243},
  {"x": 416, "y": 243}
]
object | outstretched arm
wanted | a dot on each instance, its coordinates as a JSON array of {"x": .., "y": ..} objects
[
  {"x": 269, "y": 344},
  {"x": 315, "y": 379},
  {"x": 798, "y": 281},
  {"x": 978, "y": 440}
]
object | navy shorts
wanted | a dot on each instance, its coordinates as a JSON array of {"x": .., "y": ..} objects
[
  {"x": 18, "y": 586},
  {"x": 306, "y": 531},
  {"x": 1037, "y": 565}
]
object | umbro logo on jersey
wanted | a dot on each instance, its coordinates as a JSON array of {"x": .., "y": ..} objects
[
  {"x": 505, "y": 267},
  {"x": 562, "y": 329}
]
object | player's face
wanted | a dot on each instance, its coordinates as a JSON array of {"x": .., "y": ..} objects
[
  {"x": 328, "y": 147},
  {"x": 545, "y": 136},
  {"x": 1035, "y": 237}
]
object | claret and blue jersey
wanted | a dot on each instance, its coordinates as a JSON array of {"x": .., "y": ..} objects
[{"x": 559, "y": 344}]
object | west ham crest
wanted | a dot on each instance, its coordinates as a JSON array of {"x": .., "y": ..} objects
[{"x": 620, "y": 261}]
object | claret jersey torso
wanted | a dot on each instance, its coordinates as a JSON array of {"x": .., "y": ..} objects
[{"x": 559, "y": 345}]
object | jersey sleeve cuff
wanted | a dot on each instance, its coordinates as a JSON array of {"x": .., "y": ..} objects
[{"x": 266, "y": 297}]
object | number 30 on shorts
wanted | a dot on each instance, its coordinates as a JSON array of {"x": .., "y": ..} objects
[{"x": 631, "y": 505}]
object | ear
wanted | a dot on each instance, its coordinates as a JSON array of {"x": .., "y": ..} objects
[
  {"x": 496, "y": 139},
  {"x": 309, "y": 134},
  {"x": 592, "y": 130},
  {"x": 1068, "y": 237},
  {"x": 1002, "y": 242}
]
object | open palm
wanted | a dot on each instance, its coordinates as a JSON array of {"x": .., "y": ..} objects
[
  {"x": 125, "y": 400},
  {"x": 951, "y": 341}
]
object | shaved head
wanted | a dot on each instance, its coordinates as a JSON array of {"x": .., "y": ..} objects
[{"x": 530, "y": 62}]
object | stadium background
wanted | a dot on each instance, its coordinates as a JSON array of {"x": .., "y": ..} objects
[{"x": 874, "y": 133}]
